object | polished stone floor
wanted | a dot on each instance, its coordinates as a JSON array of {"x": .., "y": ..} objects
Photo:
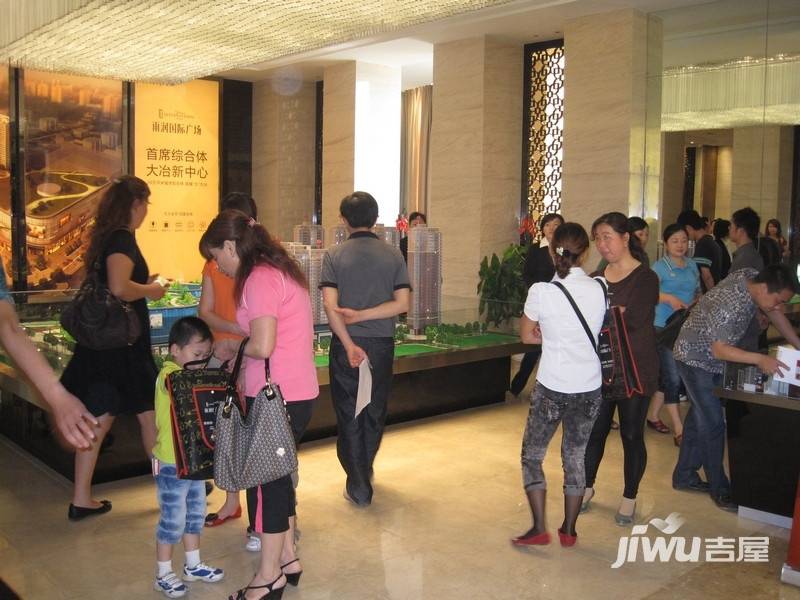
[{"x": 447, "y": 499}]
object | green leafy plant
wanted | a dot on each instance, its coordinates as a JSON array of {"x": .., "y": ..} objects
[{"x": 501, "y": 287}]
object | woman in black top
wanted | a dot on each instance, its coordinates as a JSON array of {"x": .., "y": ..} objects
[
  {"x": 633, "y": 287},
  {"x": 538, "y": 267},
  {"x": 120, "y": 380}
]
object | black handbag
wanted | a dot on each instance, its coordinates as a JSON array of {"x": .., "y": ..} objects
[
  {"x": 195, "y": 396},
  {"x": 669, "y": 334},
  {"x": 99, "y": 320},
  {"x": 255, "y": 449}
]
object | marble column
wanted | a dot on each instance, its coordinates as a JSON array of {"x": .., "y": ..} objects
[
  {"x": 338, "y": 138},
  {"x": 475, "y": 157},
  {"x": 762, "y": 171},
  {"x": 361, "y": 137},
  {"x": 612, "y": 111},
  {"x": 284, "y": 123},
  {"x": 673, "y": 145}
]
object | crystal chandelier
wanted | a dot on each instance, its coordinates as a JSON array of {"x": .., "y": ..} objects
[{"x": 171, "y": 41}]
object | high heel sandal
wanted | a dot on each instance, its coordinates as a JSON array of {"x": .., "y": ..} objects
[
  {"x": 292, "y": 578},
  {"x": 272, "y": 594}
]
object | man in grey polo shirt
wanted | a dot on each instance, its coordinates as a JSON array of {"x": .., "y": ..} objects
[{"x": 365, "y": 286}]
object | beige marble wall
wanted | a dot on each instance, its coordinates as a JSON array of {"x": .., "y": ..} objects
[
  {"x": 672, "y": 151},
  {"x": 338, "y": 138},
  {"x": 283, "y": 156},
  {"x": 475, "y": 155},
  {"x": 762, "y": 171},
  {"x": 612, "y": 116},
  {"x": 722, "y": 203}
]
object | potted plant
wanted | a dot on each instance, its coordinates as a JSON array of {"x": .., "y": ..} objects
[{"x": 501, "y": 287}]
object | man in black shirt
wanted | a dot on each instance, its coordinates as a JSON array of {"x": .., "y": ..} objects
[{"x": 707, "y": 254}]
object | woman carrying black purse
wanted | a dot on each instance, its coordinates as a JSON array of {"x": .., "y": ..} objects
[
  {"x": 633, "y": 293},
  {"x": 274, "y": 309},
  {"x": 120, "y": 380}
]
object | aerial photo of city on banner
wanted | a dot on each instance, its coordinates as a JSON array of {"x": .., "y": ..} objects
[{"x": 73, "y": 148}]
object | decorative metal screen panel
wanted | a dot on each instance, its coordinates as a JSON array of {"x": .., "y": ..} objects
[{"x": 544, "y": 129}]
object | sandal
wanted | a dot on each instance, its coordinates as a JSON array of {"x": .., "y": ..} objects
[
  {"x": 292, "y": 578},
  {"x": 658, "y": 425},
  {"x": 272, "y": 594},
  {"x": 677, "y": 440}
]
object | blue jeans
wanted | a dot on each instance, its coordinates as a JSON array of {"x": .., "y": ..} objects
[
  {"x": 669, "y": 380},
  {"x": 703, "y": 442},
  {"x": 182, "y": 503}
]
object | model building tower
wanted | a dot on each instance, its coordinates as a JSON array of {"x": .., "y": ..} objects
[
  {"x": 425, "y": 274},
  {"x": 309, "y": 235},
  {"x": 337, "y": 234},
  {"x": 315, "y": 256},
  {"x": 390, "y": 235},
  {"x": 310, "y": 261}
]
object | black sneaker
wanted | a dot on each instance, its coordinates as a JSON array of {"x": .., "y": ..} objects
[
  {"x": 725, "y": 502},
  {"x": 695, "y": 486}
]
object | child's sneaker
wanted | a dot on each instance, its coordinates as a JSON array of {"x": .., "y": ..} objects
[
  {"x": 170, "y": 586},
  {"x": 253, "y": 541},
  {"x": 202, "y": 572}
]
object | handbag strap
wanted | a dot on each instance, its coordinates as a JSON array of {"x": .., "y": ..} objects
[
  {"x": 588, "y": 331},
  {"x": 230, "y": 389},
  {"x": 270, "y": 389}
]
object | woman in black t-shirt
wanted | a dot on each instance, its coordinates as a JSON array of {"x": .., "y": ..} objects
[{"x": 120, "y": 380}]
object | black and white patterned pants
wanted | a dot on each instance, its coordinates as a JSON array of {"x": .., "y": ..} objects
[{"x": 577, "y": 412}]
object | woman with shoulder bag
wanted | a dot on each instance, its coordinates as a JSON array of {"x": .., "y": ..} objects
[
  {"x": 679, "y": 287},
  {"x": 633, "y": 294},
  {"x": 218, "y": 309},
  {"x": 119, "y": 380},
  {"x": 565, "y": 316},
  {"x": 274, "y": 309}
]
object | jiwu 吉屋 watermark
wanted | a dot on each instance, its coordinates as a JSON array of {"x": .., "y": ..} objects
[{"x": 668, "y": 547}]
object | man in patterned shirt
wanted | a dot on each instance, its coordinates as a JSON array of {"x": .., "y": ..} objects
[{"x": 706, "y": 341}]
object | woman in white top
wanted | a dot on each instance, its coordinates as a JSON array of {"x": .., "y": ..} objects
[{"x": 568, "y": 381}]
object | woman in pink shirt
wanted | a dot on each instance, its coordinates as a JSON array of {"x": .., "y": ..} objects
[{"x": 274, "y": 309}]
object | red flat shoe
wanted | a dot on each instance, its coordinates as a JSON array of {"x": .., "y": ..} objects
[
  {"x": 658, "y": 425},
  {"x": 566, "y": 539},
  {"x": 539, "y": 539},
  {"x": 213, "y": 519}
]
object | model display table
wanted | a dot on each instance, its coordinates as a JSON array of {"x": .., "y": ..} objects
[
  {"x": 430, "y": 378},
  {"x": 763, "y": 447}
]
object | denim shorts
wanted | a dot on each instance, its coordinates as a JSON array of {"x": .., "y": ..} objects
[{"x": 182, "y": 503}]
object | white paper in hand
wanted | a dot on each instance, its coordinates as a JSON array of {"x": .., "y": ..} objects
[{"x": 364, "y": 396}]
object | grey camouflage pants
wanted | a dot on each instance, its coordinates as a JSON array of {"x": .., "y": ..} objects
[{"x": 577, "y": 412}]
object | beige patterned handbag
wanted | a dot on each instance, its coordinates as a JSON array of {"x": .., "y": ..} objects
[{"x": 257, "y": 447}]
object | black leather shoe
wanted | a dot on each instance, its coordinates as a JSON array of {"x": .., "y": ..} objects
[
  {"x": 724, "y": 502},
  {"x": 696, "y": 486},
  {"x": 76, "y": 513}
]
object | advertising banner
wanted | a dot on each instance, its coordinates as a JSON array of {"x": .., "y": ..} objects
[{"x": 176, "y": 141}]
